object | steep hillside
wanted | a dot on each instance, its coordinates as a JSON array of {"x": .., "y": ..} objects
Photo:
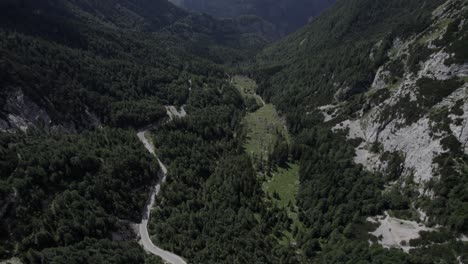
[
  {"x": 414, "y": 112},
  {"x": 59, "y": 190},
  {"x": 76, "y": 64},
  {"x": 286, "y": 16},
  {"x": 334, "y": 51},
  {"x": 375, "y": 92}
]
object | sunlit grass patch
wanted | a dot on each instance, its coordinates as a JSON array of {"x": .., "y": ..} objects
[
  {"x": 263, "y": 127},
  {"x": 285, "y": 183},
  {"x": 282, "y": 187}
]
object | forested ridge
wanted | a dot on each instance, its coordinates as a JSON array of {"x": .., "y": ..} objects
[
  {"x": 82, "y": 61},
  {"x": 79, "y": 78},
  {"x": 335, "y": 51}
]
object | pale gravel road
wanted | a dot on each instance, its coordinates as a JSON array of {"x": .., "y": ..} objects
[{"x": 145, "y": 239}]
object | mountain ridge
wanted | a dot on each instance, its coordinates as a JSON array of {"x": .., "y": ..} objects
[{"x": 285, "y": 16}]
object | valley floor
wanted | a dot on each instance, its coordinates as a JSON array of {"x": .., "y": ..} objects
[{"x": 264, "y": 128}]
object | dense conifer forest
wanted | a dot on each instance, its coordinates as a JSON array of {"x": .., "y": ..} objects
[
  {"x": 72, "y": 185},
  {"x": 306, "y": 70},
  {"x": 80, "y": 78}
]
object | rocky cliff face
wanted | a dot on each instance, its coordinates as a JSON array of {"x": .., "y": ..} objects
[
  {"x": 20, "y": 113},
  {"x": 415, "y": 113},
  {"x": 400, "y": 112}
]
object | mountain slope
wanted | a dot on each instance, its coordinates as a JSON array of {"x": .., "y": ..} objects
[
  {"x": 286, "y": 16},
  {"x": 105, "y": 65},
  {"x": 375, "y": 92}
]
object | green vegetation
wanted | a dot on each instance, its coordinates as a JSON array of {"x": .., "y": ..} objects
[
  {"x": 328, "y": 203},
  {"x": 240, "y": 188},
  {"x": 455, "y": 37},
  {"x": 107, "y": 65},
  {"x": 440, "y": 120},
  {"x": 436, "y": 32},
  {"x": 433, "y": 91},
  {"x": 95, "y": 251},
  {"x": 248, "y": 89},
  {"x": 83, "y": 185},
  {"x": 211, "y": 209},
  {"x": 285, "y": 183},
  {"x": 67, "y": 191},
  {"x": 267, "y": 138},
  {"x": 297, "y": 77},
  {"x": 136, "y": 113},
  {"x": 267, "y": 142},
  {"x": 282, "y": 187},
  {"x": 327, "y": 62},
  {"x": 449, "y": 207},
  {"x": 263, "y": 126}
]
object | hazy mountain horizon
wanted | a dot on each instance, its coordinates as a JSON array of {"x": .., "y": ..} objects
[{"x": 286, "y": 15}]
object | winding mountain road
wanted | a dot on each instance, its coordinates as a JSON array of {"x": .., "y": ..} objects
[{"x": 145, "y": 239}]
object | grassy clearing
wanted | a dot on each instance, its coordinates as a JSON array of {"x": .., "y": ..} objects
[
  {"x": 284, "y": 182},
  {"x": 283, "y": 187},
  {"x": 245, "y": 84},
  {"x": 247, "y": 87},
  {"x": 263, "y": 127}
]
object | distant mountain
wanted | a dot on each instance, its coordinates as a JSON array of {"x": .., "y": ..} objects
[{"x": 285, "y": 15}]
